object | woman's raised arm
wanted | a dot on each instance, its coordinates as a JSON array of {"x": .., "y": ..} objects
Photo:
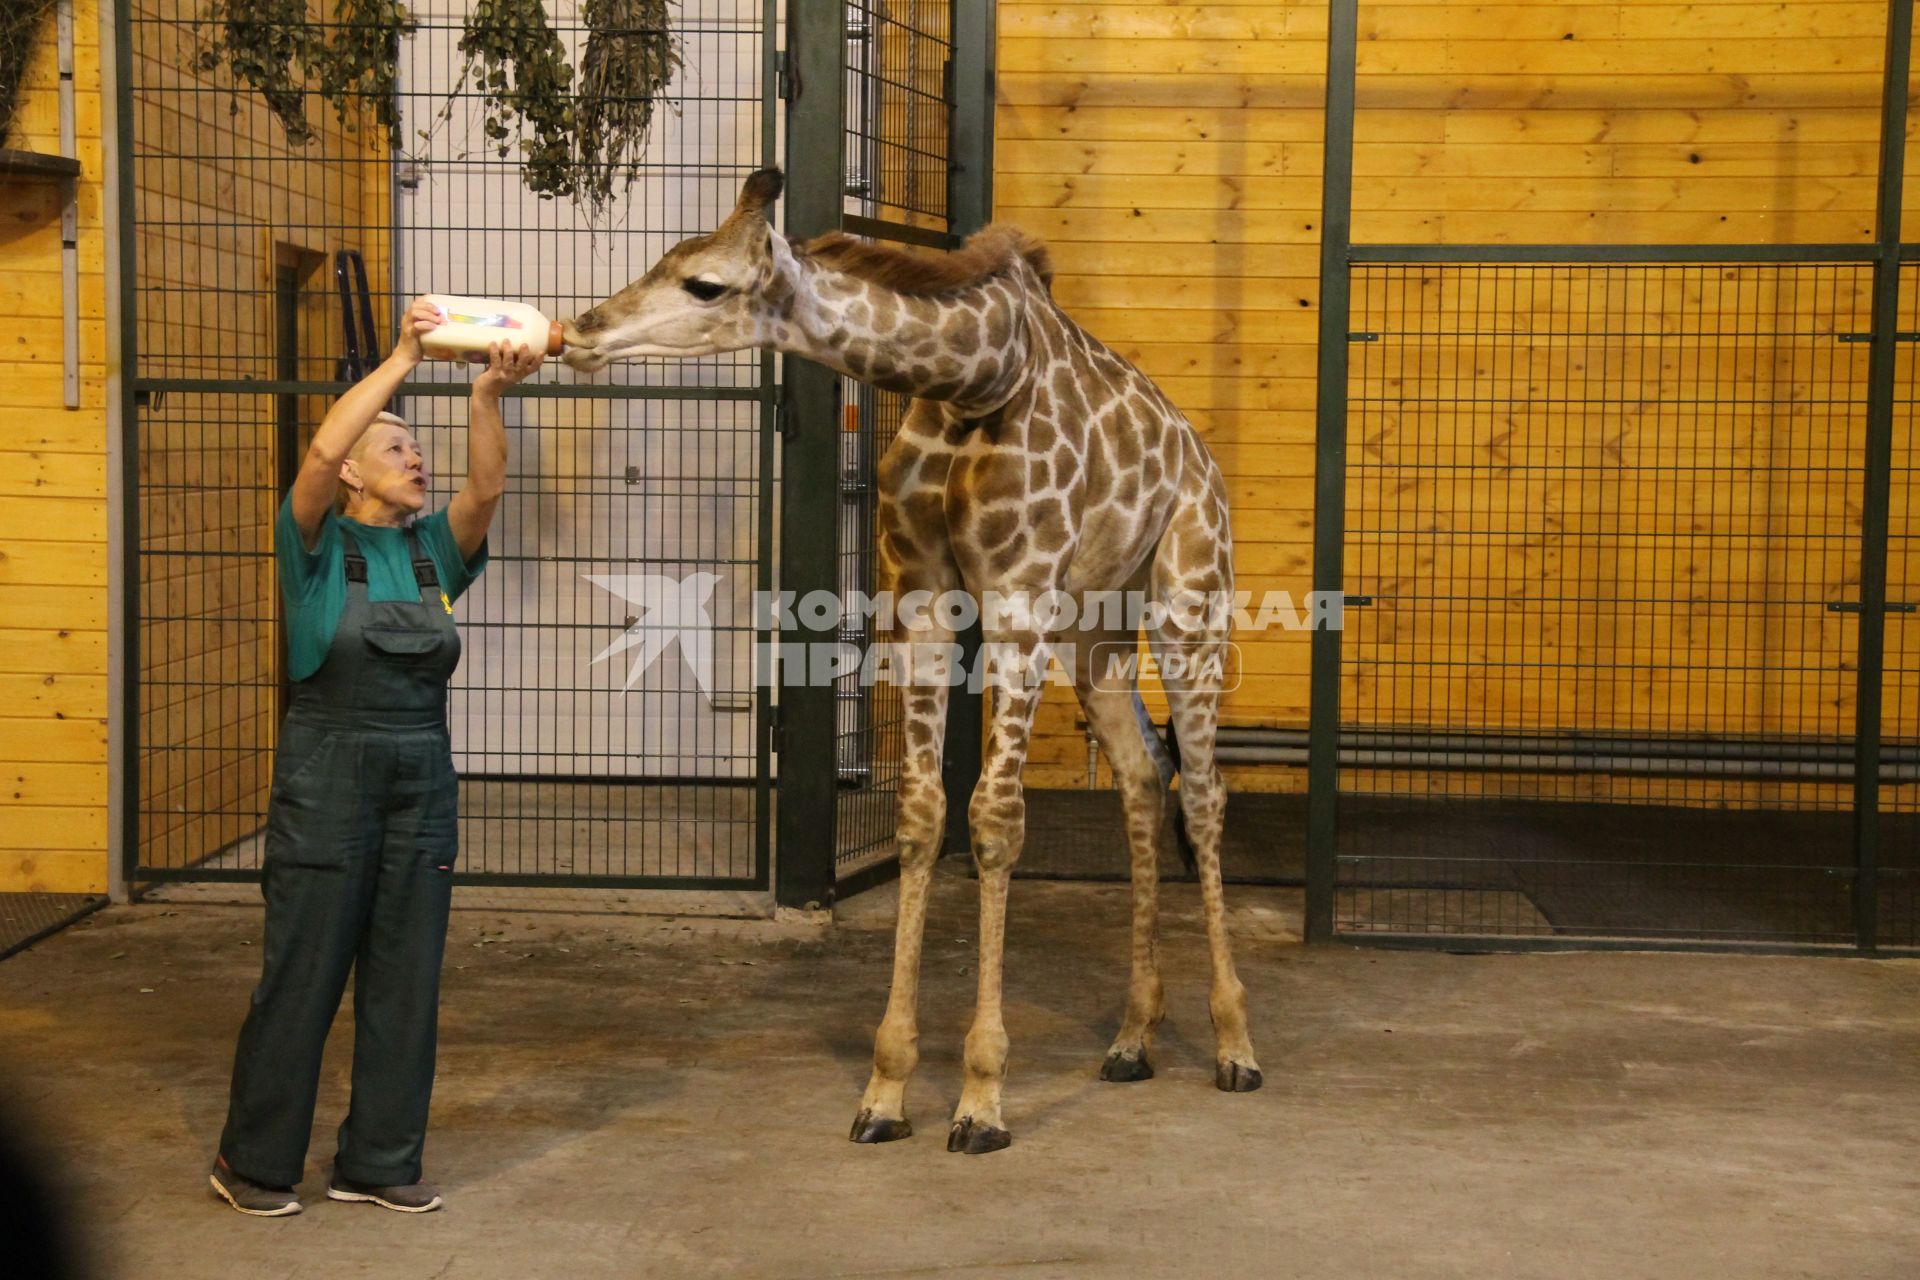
[
  {"x": 471, "y": 512},
  {"x": 318, "y": 483}
]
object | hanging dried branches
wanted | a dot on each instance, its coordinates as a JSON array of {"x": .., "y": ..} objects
[
  {"x": 526, "y": 81},
  {"x": 276, "y": 49},
  {"x": 583, "y": 144},
  {"x": 630, "y": 57},
  {"x": 19, "y": 31},
  {"x": 270, "y": 46}
]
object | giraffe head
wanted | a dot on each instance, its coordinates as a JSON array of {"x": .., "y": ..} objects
[{"x": 701, "y": 298}]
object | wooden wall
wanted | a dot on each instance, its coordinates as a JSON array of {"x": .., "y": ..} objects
[
  {"x": 1171, "y": 155},
  {"x": 215, "y": 190},
  {"x": 53, "y": 515}
]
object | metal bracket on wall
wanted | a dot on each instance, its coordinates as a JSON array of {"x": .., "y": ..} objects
[
  {"x": 1854, "y": 606},
  {"x": 69, "y": 216}
]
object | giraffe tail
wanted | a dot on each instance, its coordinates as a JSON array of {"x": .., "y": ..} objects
[{"x": 1164, "y": 747}]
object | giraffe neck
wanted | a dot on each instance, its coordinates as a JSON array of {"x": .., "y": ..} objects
[{"x": 967, "y": 347}]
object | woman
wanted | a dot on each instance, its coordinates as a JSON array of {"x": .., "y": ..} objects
[{"x": 361, "y": 831}]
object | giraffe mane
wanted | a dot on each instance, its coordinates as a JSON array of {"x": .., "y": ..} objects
[{"x": 988, "y": 252}]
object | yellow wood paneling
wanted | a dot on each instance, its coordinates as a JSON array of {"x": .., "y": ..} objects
[
  {"x": 1171, "y": 155},
  {"x": 53, "y": 551},
  {"x": 206, "y": 220}
]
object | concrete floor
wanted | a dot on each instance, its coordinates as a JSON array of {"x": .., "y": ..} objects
[{"x": 627, "y": 1096}]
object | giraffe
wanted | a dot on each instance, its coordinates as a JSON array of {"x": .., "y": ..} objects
[{"x": 1032, "y": 459}]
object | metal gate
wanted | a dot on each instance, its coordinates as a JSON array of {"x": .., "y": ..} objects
[
  {"x": 259, "y": 277},
  {"x": 1625, "y": 540},
  {"x": 896, "y": 100}
]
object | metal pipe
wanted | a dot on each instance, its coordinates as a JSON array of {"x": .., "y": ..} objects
[
  {"x": 69, "y": 214},
  {"x": 1678, "y": 748},
  {"x": 1877, "y": 465},
  {"x": 1330, "y": 458},
  {"x": 1568, "y": 763}
]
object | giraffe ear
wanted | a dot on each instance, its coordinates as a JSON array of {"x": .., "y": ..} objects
[
  {"x": 780, "y": 251},
  {"x": 760, "y": 190}
]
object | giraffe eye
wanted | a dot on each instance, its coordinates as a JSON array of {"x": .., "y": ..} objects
[{"x": 705, "y": 290}]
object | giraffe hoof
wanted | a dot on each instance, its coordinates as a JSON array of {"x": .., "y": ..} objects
[
  {"x": 1236, "y": 1077},
  {"x": 1122, "y": 1068},
  {"x": 976, "y": 1139},
  {"x": 867, "y": 1127}
]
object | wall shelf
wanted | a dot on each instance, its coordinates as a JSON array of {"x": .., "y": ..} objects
[{"x": 36, "y": 165}]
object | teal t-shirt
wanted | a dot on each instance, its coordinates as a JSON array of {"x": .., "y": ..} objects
[{"x": 314, "y": 583}]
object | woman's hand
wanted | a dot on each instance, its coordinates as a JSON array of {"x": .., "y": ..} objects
[
  {"x": 506, "y": 365},
  {"x": 421, "y": 317}
]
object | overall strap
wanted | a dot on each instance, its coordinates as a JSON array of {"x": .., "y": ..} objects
[
  {"x": 355, "y": 562},
  {"x": 424, "y": 573}
]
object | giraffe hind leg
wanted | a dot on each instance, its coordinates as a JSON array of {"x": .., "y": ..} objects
[
  {"x": 1142, "y": 772},
  {"x": 1192, "y": 666}
]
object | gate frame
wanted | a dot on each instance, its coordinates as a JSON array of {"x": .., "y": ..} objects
[
  {"x": 1339, "y": 254},
  {"x": 806, "y": 825},
  {"x": 799, "y": 413},
  {"x": 130, "y": 878}
]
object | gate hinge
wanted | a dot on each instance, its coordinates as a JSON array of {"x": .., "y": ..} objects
[
  {"x": 1357, "y": 602},
  {"x": 1854, "y": 606},
  {"x": 783, "y": 423},
  {"x": 783, "y": 75},
  {"x": 776, "y": 732}
]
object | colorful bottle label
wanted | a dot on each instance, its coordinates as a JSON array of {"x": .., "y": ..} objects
[{"x": 499, "y": 320}]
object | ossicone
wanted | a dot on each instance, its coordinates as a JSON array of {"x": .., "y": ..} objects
[{"x": 761, "y": 189}]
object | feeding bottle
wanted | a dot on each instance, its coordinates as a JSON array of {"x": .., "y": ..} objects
[{"x": 472, "y": 323}]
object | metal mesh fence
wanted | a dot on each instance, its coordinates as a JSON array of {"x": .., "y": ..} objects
[
  {"x": 897, "y": 104},
  {"x": 872, "y": 727},
  {"x": 576, "y": 765},
  {"x": 1596, "y": 516}
]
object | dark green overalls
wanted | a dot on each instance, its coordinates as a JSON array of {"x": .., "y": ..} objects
[{"x": 361, "y": 840}]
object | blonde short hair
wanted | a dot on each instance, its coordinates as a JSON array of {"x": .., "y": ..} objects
[{"x": 345, "y": 495}]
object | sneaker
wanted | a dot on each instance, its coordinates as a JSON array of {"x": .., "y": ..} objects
[
  {"x": 251, "y": 1197},
  {"x": 419, "y": 1197}
]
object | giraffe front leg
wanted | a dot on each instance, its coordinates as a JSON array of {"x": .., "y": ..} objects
[
  {"x": 919, "y": 830},
  {"x": 998, "y": 817}
]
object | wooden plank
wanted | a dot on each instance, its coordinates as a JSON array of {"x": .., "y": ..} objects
[
  {"x": 53, "y": 563},
  {"x": 40, "y": 607},
  {"x": 1015, "y": 124},
  {"x": 57, "y": 475},
  {"x": 39, "y": 783},
  {"x": 53, "y": 652},
  {"x": 59, "y": 741},
  {"x": 58, "y": 697},
  {"x": 1756, "y": 87},
  {"x": 53, "y": 520},
  {"x": 57, "y": 871}
]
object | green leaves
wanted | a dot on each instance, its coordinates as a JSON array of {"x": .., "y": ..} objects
[
  {"x": 278, "y": 50},
  {"x": 582, "y": 141},
  {"x": 527, "y": 83}
]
